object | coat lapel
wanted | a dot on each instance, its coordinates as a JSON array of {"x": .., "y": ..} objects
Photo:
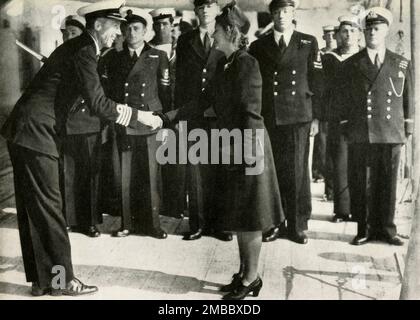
[
  {"x": 273, "y": 52},
  {"x": 367, "y": 68},
  {"x": 292, "y": 48},
  {"x": 197, "y": 45},
  {"x": 140, "y": 61}
]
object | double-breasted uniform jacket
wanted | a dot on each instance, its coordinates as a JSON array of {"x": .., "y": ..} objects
[
  {"x": 194, "y": 69},
  {"x": 68, "y": 77},
  {"x": 251, "y": 202},
  {"x": 377, "y": 106},
  {"x": 144, "y": 86},
  {"x": 292, "y": 82}
]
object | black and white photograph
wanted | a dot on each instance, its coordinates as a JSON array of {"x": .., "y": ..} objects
[{"x": 209, "y": 150}]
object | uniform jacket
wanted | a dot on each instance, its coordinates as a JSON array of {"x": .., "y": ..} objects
[
  {"x": 144, "y": 85},
  {"x": 292, "y": 82},
  {"x": 69, "y": 76},
  {"x": 377, "y": 106},
  {"x": 194, "y": 69}
]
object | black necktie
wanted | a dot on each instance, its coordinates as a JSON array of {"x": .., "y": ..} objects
[
  {"x": 134, "y": 58},
  {"x": 207, "y": 44},
  {"x": 282, "y": 44}
]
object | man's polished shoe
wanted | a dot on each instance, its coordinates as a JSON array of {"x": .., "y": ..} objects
[
  {"x": 92, "y": 232},
  {"x": 120, "y": 233},
  {"x": 338, "y": 218},
  {"x": 158, "y": 234},
  {"x": 37, "y": 291},
  {"x": 74, "y": 288},
  {"x": 223, "y": 236},
  {"x": 271, "y": 235},
  {"x": 395, "y": 241},
  {"x": 193, "y": 236},
  {"x": 236, "y": 282},
  {"x": 298, "y": 237},
  {"x": 241, "y": 291},
  {"x": 361, "y": 240}
]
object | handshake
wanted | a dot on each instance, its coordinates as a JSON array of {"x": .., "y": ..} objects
[{"x": 149, "y": 119}]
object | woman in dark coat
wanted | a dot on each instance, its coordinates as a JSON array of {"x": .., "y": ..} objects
[{"x": 251, "y": 196}]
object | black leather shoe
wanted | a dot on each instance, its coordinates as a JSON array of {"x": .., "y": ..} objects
[
  {"x": 395, "y": 241},
  {"x": 75, "y": 288},
  {"x": 338, "y": 218},
  {"x": 93, "y": 232},
  {"x": 298, "y": 237},
  {"x": 241, "y": 291},
  {"x": 223, "y": 236},
  {"x": 120, "y": 233},
  {"x": 361, "y": 240},
  {"x": 271, "y": 234},
  {"x": 158, "y": 234},
  {"x": 193, "y": 236},
  {"x": 236, "y": 282},
  {"x": 37, "y": 291}
]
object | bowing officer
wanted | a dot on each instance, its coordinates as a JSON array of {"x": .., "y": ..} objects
[
  {"x": 139, "y": 77},
  {"x": 197, "y": 59},
  {"x": 81, "y": 156},
  {"x": 337, "y": 149},
  {"x": 34, "y": 131},
  {"x": 378, "y": 118},
  {"x": 292, "y": 86}
]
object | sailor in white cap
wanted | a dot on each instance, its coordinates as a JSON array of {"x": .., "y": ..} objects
[
  {"x": 67, "y": 81},
  {"x": 72, "y": 27},
  {"x": 377, "y": 116},
  {"x": 139, "y": 77},
  {"x": 162, "y": 25},
  {"x": 329, "y": 38}
]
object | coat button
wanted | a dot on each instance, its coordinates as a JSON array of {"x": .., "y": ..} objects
[
  {"x": 126, "y": 94},
  {"x": 369, "y": 108},
  {"x": 276, "y": 83},
  {"x": 293, "y": 83},
  {"x": 143, "y": 85},
  {"x": 389, "y": 100},
  {"x": 276, "y": 73},
  {"x": 83, "y": 101},
  {"x": 370, "y": 93},
  {"x": 142, "y": 94},
  {"x": 204, "y": 80},
  {"x": 388, "y": 116},
  {"x": 275, "y": 93},
  {"x": 369, "y": 116},
  {"x": 294, "y": 72},
  {"x": 389, "y": 93},
  {"x": 83, "y": 110},
  {"x": 293, "y": 93},
  {"x": 203, "y": 89},
  {"x": 369, "y": 101},
  {"x": 204, "y": 70},
  {"x": 388, "y": 109},
  {"x": 126, "y": 84}
]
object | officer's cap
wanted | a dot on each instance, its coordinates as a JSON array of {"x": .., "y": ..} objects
[
  {"x": 327, "y": 29},
  {"x": 109, "y": 9},
  {"x": 198, "y": 3},
  {"x": 162, "y": 13},
  {"x": 377, "y": 15},
  {"x": 177, "y": 21},
  {"x": 276, "y": 4},
  {"x": 73, "y": 20},
  {"x": 350, "y": 20},
  {"x": 234, "y": 16},
  {"x": 133, "y": 15}
]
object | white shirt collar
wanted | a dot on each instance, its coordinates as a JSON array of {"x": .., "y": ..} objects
[
  {"x": 287, "y": 35},
  {"x": 138, "y": 50},
  {"x": 372, "y": 54},
  {"x": 165, "y": 47},
  {"x": 203, "y": 34},
  {"x": 98, "y": 50}
]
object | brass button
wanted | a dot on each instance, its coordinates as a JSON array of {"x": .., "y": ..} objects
[
  {"x": 203, "y": 89},
  {"x": 388, "y": 109},
  {"x": 388, "y": 116},
  {"x": 275, "y": 93},
  {"x": 276, "y": 83},
  {"x": 204, "y": 80},
  {"x": 83, "y": 101},
  {"x": 389, "y": 93},
  {"x": 204, "y": 70},
  {"x": 389, "y": 100},
  {"x": 293, "y": 93},
  {"x": 83, "y": 110},
  {"x": 370, "y": 93},
  {"x": 369, "y": 116},
  {"x": 276, "y": 73},
  {"x": 143, "y": 85},
  {"x": 293, "y": 83},
  {"x": 369, "y": 101},
  {"x": 126, "y": 94},
  {"x": 126, "y": 84},
  {"x": 369, "y": 108},
  {"x": 294, "y": 72},
  {"x": 142, "y": 94}
]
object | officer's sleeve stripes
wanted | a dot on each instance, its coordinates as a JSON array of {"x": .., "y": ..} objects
[
  {"x": 409, "y": 120},
  {"x": 317, "y": 65},
  {"x": 344, "y": 122},
  {"x": 125, "y": 113},
  {"x": 165, "y": 82}
]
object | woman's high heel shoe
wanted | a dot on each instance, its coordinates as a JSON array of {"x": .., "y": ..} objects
[
  {"x": 241, "y": 292},
  {"x": 236, "y": 282}
]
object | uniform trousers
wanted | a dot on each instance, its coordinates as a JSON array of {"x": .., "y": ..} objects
[
  {"x": 373, "y": 173},
  {"x": 42, "y": 225},
  {"x": 290, "y": 144},
  {"x": 81, "y": 165}
]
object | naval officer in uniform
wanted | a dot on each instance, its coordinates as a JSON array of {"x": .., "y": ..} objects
[
  {"x": 377, "y": 117},
  {"x": 34, "y": 131},
  {"x": 291, "y": 68},
  {"x": 139, "y": 77}
]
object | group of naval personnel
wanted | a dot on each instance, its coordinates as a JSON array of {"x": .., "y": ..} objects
[{"x": 87, "y": 125}]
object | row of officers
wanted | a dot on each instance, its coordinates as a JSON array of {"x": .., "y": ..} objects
[
  {"x": 282, "y": 84},
  {"x": 304, "y": 91}
]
